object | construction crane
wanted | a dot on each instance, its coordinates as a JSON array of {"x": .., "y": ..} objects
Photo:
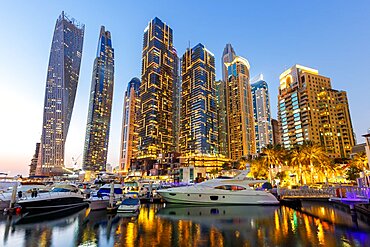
[{"x": 75, "y": 161}]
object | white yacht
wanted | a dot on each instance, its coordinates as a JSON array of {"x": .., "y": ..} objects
[
  {"x": 235, "y": 190},
  {"x": 62, "y": 196}
]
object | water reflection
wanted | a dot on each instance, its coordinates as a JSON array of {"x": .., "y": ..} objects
[{"x": 169, "y": 225}]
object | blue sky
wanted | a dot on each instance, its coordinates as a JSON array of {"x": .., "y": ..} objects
[{"x": 331, "y": 36}]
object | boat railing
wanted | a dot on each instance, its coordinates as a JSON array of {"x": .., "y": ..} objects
[{"x": 28, "y": 196}]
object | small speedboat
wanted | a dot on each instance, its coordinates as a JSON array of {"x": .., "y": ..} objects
[{"x": 129, "y": 205}]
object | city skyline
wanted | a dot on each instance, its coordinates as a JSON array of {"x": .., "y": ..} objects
[{"x": 346, "y": 82}]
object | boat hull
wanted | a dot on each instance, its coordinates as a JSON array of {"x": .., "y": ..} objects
[
  {"x": 99, "y": 204},
  {"x": 257, "y": 198},
  {"x": 128, "y": 209},
  {"x": 51, "y": 204}
]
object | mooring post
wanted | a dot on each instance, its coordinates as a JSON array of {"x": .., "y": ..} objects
[{"x": 14, "y": 196}]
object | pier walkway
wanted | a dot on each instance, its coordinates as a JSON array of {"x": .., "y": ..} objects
[{"x": 349, "y": 192}]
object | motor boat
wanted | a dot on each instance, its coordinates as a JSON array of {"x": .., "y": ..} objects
[
  {"x": 61, "y": 196},
  {"x": 129, "y": 205},
  {"x": 23, "y": 189},
  {"x": 100, "y": 199},
  {"x": 222, "y": 190}
]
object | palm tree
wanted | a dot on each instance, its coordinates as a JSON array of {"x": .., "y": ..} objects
[
  {"x": 360, "y": 161},
  {"x": 296, "y": 158},
  {"x": 314, "y": 156},
  {"x": 258, "y": 168},
  {"x": 273, "y": 156}
]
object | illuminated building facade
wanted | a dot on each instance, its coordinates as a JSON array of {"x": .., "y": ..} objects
[
  {"x": 176, "y": 103},
  {"x": 261, "y": 112},
  {"x": 129, "y": 135},
  {"x": 100, "y": 106},
  {"x": 199, "y": 132},
  {"x": 276, "y": 136},
  {"x": 34, "y": 159},
  {"x": 309, "y": 109},
  {"x": 239, "y": 107},
  {"x": 228, "y": 56},
  {"x": 60, "y": 92},
  {"x": 221, "y": 117},
  {"x": 156, "y": 92}
]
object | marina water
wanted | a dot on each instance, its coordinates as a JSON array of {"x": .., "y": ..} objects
[{"x": 316, "y": 224}]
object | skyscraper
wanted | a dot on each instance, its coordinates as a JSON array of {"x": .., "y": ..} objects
[
  {"x": 221, "y": 118},
  {"x": 276, "y": 136},
  {"x": 199, "y": 133},
  {"x": 228, "y": 56},
  {"x": 176, "y": 103},
  {"x": 129, "y": 135},
  {"x": 309, "y": 109},
  {"x": 156, "y": 91},
  {"x": 34, "y": 159},
  {"x": 60, "y": 93},
  {"x": 241, "y": 137},
  {"x": 261, "y": 112},
  {"x": 100, "y": 106}
]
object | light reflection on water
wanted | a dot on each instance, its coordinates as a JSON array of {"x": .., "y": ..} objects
[{"x": 174, "y": 225}]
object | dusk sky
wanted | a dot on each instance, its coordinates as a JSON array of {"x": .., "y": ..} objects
[{"x": 331, "y": 36}]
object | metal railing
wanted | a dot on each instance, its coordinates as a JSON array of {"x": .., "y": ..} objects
[{"x": 338, "y": 191}]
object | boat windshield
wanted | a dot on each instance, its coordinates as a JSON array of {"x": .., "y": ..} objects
[
  {"x": 230, "y": 187},
  {"x": 60, "y": 190},
  {"x": 224, "y": 177},
  {"x": 130, "y": 201},
  {"x": 107, "y": 190}
]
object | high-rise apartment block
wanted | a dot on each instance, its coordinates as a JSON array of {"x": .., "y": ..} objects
[
  {"x": 199, "y": 127},
  {"x": 309, "y": 109},
  {"x": 34, "y": 159},
  {"x": 176, "y": 106},
  {"x": 156, "y": 91},
  {"x": 129, "y": 135},
  {"x": 100, "y": 106},
  {"x": 228, "y": 56},
  {"x": 262, "y": 114},
  {"x": 239, "y": 109},
  {"x": 276, "y": 136},
  {"x": 60, "y": 92}
]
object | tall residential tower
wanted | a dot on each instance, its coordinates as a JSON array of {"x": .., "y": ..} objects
[
  {"x": 100, "y": 106},
  {"x": 60, "y": 93},
  {"x": 199, "y": 133},
  {"x": 156, "y": 92},
  {"x": 261, "y": 112},
  {"x": 129, "y": 135},
  {"x": 310, "y": 110},
  {"x": 239, "y": 108}
]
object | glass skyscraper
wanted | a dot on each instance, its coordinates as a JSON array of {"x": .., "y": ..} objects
[
  {"x": 176, "y": 103},
  {"x": 129, "y": 138},
  {"x": 60, "y": 93},
  {"x": 199, "y": 127},
  {"x": 262, "y": 114},
  {"x": 228, "y": 56},
  {"x": 100, "y": 106},
  {"x": 240, "y": 121},
  {"x": 156, "y": 92}
]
